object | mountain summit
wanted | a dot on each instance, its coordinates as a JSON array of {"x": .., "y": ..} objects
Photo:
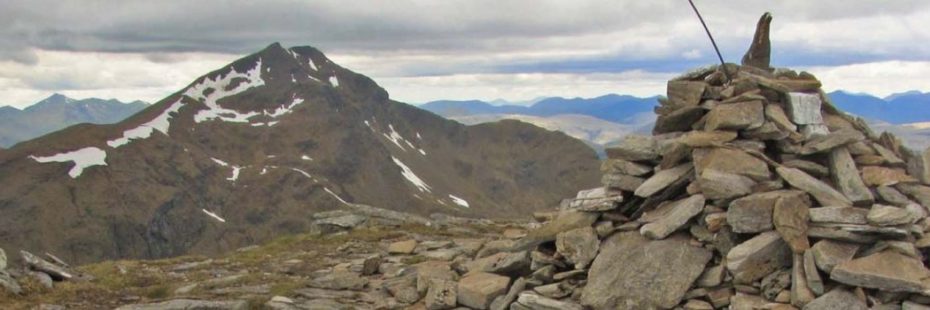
[
  {"x": 253, "y": 149},
  {"x": 57, "y": 112}
]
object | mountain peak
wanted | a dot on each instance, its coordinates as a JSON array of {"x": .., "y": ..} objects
[{"x": 55, "y": 99}]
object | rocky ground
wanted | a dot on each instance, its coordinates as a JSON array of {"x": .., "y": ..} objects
[{"x": 353, "y": 261}]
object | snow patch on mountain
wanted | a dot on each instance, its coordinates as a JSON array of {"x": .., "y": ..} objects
[
  {"x": 334, "y": 81},
  {"x": 214, "y": 216},
  {"x": 160, "y": 123},
  {"x": 411, "y": 177},
  {"x": 82, "y": 159},
  {"x": 217, "y": 89},
  {"x": 459, "y": 201},
  {"x": 286, "y": 109}
]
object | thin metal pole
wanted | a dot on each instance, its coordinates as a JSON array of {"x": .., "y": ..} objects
[{"x": 723, "y": 65}]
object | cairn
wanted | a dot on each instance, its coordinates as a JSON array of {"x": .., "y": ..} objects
[{"x": 755, "y": 193}]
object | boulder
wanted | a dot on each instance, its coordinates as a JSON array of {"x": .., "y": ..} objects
[
  {"x": 682, "y": 211},
  {"x": 662, "y": 179},
  {"x": 790, "y": 218},
  {"x": 881, "y": 215},
  {"x": 888, "y": 271},
  {"x": 36, "y": 263},
  {"x": 441, "y": 295},
  {"x": 730, "y": 161},
  {"x": 402, "y": 247},
  {"x": 846, "y": 177},
  {"x": 837, "y": 299},
  {"x": 634, "y": 147},
  {"x": 644, "y": 279},
  {"x": 477, "y": 289},
  {"x": 757, "y": 257},
  {"x": 736, "y": 116},
  {"x": 823, "y": 193},
  {"x": 579, "y": 246},
  {"x": 537, "y": 302}
]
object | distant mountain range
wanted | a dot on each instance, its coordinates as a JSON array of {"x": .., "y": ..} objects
[
  {"x": 57, "y": 112},
  {"x": 902, "y": 108},
  {"x": 614, "y": 108}
]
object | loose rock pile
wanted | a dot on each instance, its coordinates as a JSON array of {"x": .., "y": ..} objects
[
  {"x": 755, "y": 193},
  {"x": 42, "y": 271}
]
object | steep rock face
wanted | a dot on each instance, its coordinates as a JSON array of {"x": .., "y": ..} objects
[{"x": 251, "y": 150}]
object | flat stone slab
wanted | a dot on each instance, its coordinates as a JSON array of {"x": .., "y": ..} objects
[
  {"x": 823, "y": 193},
  {"x": 887, "y": 271},
  {"x": 736, "y": 116},
  {"x": 846, "y": 177},
  {"x": 634, "y": 147},
  {"x": 663, "y": 179},
  {"x": 682, "y": 211},
  {"x": 730, "y": 161},
  {"x": 643, "y": 280},
  {"x": 837, "y": 299},
  {"x": 804, "y": 109},
  {"x": 757, "y": 257}
]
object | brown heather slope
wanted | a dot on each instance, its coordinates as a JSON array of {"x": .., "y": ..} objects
[{"x": 151, "y": 197}]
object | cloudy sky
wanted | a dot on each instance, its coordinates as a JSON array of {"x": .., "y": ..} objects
[{"x": 422, "y": 50}]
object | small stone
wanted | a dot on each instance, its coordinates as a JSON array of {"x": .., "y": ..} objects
[
  {"x": 715, "y": 221},
  {"x": 663, "y": 179},
  {"x": 716, "y": 185},
  {"x": 682, "y": 211},
  {"x": 736, "y": 116},
  {"x": 441, "y": 295},
  {"x": 814, "y": 282},
  {"x": 720, "y": 297},
  {"x": 882, "y": 176},
  {"x": 477, "y": 290},
  {"x": 887, "y": 271},
  {"x": 790, "y": 217},
  {"x": 634, "y": 147},
  {"x": 881, "y": 215},
  {"x": 831, "y": 141},
  {"x": 603, "y": 228},
  {"x": 371, "y": 264},
  {"x": 402, "y": 247},
  {"x": 775, "y": 283},
  {"x": 757, "y": 257},
  {"x": 697, "y": 304},
  {"x": 823, "y": 193},
  {"x": 846, "y": 177},
  {"x": 579, "y": 246},
  {"x": 537, "y": 302},
  {"x": 707, "y": 138},
  {"x": 712, "y": 276},
  {"x": 801, "y": 293},
  {"x": 837, "y": 299},
  {"x": 804, "y": 109}
]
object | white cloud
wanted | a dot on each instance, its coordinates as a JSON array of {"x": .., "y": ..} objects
[{"x": 877, "y": 78}]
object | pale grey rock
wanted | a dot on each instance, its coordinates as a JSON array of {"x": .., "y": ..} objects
[
  {"x": 662, "y": 179},
  {"x": 804, "y": 109},
  {"x": 579, "y": 246},
  {"x": 595, "y": 199},
  {"x": 846, "y": 177},
  {"x": 478, "y": 289},
  {"x": 402, "y": 247},
  {"x": 339, "y": 280},
  {"x": 757, "y": 257},
  {"x": 881, "y": 215},
  {"x": 36, "y": 263},
  {"x": 813, "y": 131},
  {"x": 43, "y": 278},
  {"x": 644, "y": 279},
  {"x": 887, "y": 271},
  {"x": 537, "y": 302},
  {"x": 823, "y": 193},
  {"x": 682, "y": 211},
  {"x": 837, "y": 299},
  {"x": 190, "y": 304},
  {"x": 346, "y": 221},
  {"x": 9, "y": 284}
]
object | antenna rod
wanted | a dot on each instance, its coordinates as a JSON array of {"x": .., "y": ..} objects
[{"x": 723, "y": 65}]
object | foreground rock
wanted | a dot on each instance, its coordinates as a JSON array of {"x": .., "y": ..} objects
[{"x": 644, "y": 279}]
